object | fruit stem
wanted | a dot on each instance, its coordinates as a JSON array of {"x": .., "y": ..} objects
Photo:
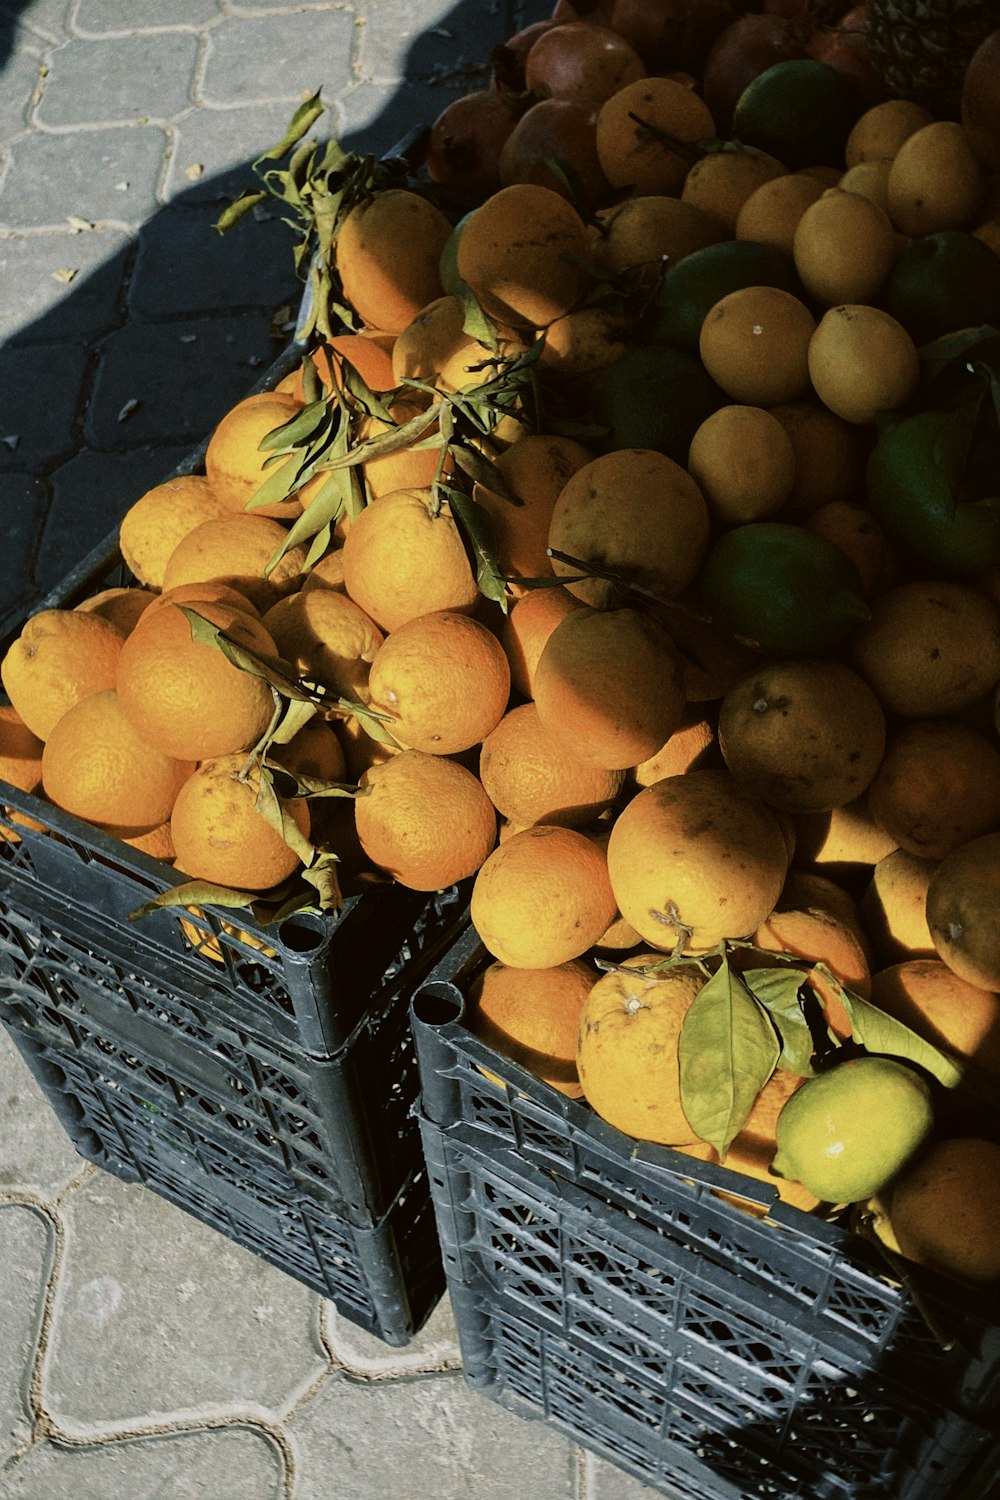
[{"x": 595, "y": 570}]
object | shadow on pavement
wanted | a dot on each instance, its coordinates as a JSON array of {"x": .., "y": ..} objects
[{"x": 104, "y": 392}]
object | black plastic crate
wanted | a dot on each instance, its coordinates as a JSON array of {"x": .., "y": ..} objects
[
  {"x": 385, "y": 1276},
  {"x": 606, "y": 1286}
]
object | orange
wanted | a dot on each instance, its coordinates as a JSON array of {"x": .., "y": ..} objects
[
  {"x": 754, "y": 343},
  {"x": 930, "y": 647},
  {"x": 328, "y": 573},
  {"x": 856, "y": 532},
  {"x": 862, "y": 361},
  {"x": 156, "y": 842},
  {"x": 443, "y": 680},
  {"x": 810, "y": 927},
  {"x": 524, "y": 253},
  {"x": 96, "y": 767},
  {"x": 542, "y": 898},
  {"x": 531, "y": 777},
  {"x": 695, "y": 858},
  {"x": 237, "y": 550},
  {"x": 936, "y": 181},
  {"x": 721, "y": 182},
  {"x": 844, "y": 248},
  {"x": 122, "y": 606},
  {"x": 235, "y": 464},
  {"x": 387, "y": 254},
  {"x": 627, "y": 1053},
  {"x": 686, "y": 747},
  {"x": 644, "y": 235},
  {"x": 584, "y": 341},
  {"x": 212, "y": 591},
  {"x": 527, "y": 627},
  {"x": 152, "y": 526},
  {"x": 534, "y": 470},
  {"x": 315, "y": 751},
  {"x": 637, "y": 513},
  {"x": 829, "y": 456},
  {"x": 894, "y": 907},
  {"x": 424, "y": 820},
  {"x": 532, "y": 1016},
  {"x": 944, "y": 1210},
  {"x": 187, "y": 699},
  {"x": 744, "y": 463},
  {"x": 404, "y": 556},
  {"x": 632, "y": 130},
  {"x": 20, "y": 766},
  {"x": 360, "y": 750},
  {"x": 961, "y": 910},
  {"x": 60, "y": 656},
  {"x": 882, "y": 129},
  {"x": 804, "y": 736},
  {"x": 938, "y": 786},
  {"x": 945, "y": 1010},
  {"x": 369, "y": 353},
  {"x": 771, "y": 214},
  {"x": 712, "y": 659},
  {"x": 219, "y": 834},
  {"x": 608, "y": 685},
  {"x": 846, "y": 838},
  {"x": 326, "y": 638}
]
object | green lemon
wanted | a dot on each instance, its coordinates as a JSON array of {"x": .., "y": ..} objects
[
  {"x": 845, "y": 1134},
  {"x": 653, "y": 397},
  {"x": 943, "y": 282},
  {"x": 692, "y": 287},
  {"x": 800, "y": 111},
  {"x": 782, "y": 588}
]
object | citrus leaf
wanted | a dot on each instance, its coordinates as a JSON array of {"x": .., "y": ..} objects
[
  {"x": 482, "y": 471},
  {"x": 239, "y": 208},
  {"x": 777, "y": 990},
  {"x": 297, "y": 430},
  {"x": 273, "y": 669},
  {"x": 274, "y": 810},
  {"x": 475, "y": 323},
  {"x": 477, "y": 526},
  {"x": 302, "y": 120},
  {"x": 370, "y": 402},
  {"x": 394, "y": 441},
  {"x": 374, "y": 724},
  {"x": 194, "y": 893},
  {"x": 297, "y": 714},
  {"x": 324, "y": 876},
  {"x": 727, "y": 1051},
  {"x": 881, "y": 1033},
  {"x": 281, "y": 484}
]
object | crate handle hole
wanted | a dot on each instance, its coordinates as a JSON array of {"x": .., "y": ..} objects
[
  {"x": 438, "y": 1003},
  {"x": 304, "y": 933}
]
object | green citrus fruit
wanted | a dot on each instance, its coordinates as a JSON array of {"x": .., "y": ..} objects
[
  {"x": 846, "y": 1133},
  {"x": 653, "y": 397},
  {"x": 943, "y": 282},
  {"x": 800, "y": 111},
  {"x": 451, "y": 282},
  {"x": 782, "y": 588},
  {"x": 693, "y": 286}
]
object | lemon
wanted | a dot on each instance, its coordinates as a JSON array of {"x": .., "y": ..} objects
[{"x": 846, "y": 1133}]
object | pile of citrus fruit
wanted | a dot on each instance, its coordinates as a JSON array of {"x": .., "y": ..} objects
[{"x": 630, "y": 547}]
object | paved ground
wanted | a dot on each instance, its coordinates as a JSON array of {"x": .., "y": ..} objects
[{"x": 142, "y": 1354}]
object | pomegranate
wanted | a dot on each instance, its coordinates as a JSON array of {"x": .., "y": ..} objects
[
  {"x": 581, "y": 62},
  {"x": 745, "y": 49},
  {"x": 559, "y": 132},
  {"x": 463, "y": 152},
  {"x": 843, "y": 46}
]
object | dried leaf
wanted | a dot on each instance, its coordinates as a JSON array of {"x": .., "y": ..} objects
[
  {"x": 194, "y": 893},
  {"x": 66, "y": 274}
]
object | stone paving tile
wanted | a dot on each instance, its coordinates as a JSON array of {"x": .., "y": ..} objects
[
  {"x": 103, "y": 18},
  {"x": 220, "y": 1465},
  {"x": 37, "y": 1153},
  {"x": 39, "y": 405},
  {"x": 284, "y": 56},
  {"x": 185, "y": 266},
  {"x": 125, "y": 80},
  {"x": 44, "y": 18},
  {"x": 20, "y": 79},
  {"x": 434, "y": 1348},
  {"x": 25, "y": 1257},
  {"x": 91, "y": 493},
  {"x": 223, "y": 143},
  {"x": 436, "y": 1440},
  {"x": 374, "y": 117},
  {"x": 141, "y": 1274},
  {"x": 443, "y": 40},
  {"x": 185, "y": 376},
  {"x": 24, "y": 504},
  {"x": 39, "y": 306},
  {"x": 111, "y": 176}
]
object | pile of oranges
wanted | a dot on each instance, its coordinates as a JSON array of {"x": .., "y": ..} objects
[{"x": 558, "y": 571}]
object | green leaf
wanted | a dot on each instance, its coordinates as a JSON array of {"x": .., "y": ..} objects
[
  {"x": 194, "y": 893},
  {"x": 727, "y": 1051},
  {"x": 274, "y": 810},
  {"x": 298, "y": 429},
  {"x": 302, "y": 120},
  {"x": 239, "y": 208},
  {"x": 273, "y": 669},
  {"x": 297, "y": 714},
  {"x": 475, "y": 322},
  {"x": 482, "y": 471},
  {"x": 374, "y": 724},
  {"x": 778, "y": 991},
  {"x": 883, "y": 1034},
  {"x": 476, "y": 524}
]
